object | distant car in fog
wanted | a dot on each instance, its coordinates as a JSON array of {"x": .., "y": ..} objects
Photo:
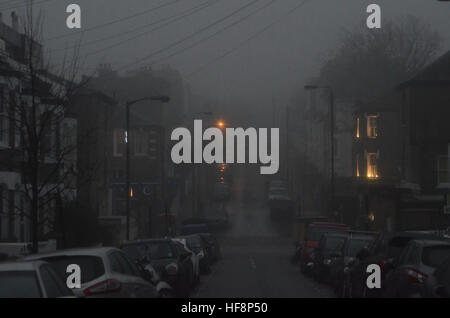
[
  {"x": 194, "y": 228},
  {"x": 216, "y": 217},
  {"x": 383, "y": 251},
  {"x": 437, "y": 285},
  {"x": 221, "y": 191},
  {"x": 105, "y": 272},
  {"x": 312, "y": 237},
  {"x": 32, "y": 279},
  {"x": 416, "y": 263}
]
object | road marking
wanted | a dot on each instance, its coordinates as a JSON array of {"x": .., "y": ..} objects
[{"x": 252, "y": 262}]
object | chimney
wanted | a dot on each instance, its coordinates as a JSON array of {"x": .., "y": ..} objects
[{"x": 15, "y": 21}]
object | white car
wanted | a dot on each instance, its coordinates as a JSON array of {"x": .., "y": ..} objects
[
  {"x": 31, "y": 280},
  {"x": 105, "y": 272},
  {"x": 195, "y": 259}
]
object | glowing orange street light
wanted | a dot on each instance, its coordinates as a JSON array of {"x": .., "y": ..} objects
[
  {"x": 221, "y": 124},
  {"x": 131, "y": 193}
]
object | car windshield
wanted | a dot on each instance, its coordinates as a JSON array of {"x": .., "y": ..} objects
[
  {"x": 434, "y": 256},
  {"x": 19, "y": 284},
  {"x": 316, "y": 233},
  {"x": 91, "y": 266},
  {"x": 355, "y": 245},
  {"x": 152, "y": 250}
]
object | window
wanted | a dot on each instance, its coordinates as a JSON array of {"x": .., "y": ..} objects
[
  {"x": 372, "y": 170},
  {"x": 372, "y": 131},
  {"x": 141, "y": 143},
  {"x": 4, "y": 127},
  {"x": 119, "y": 142},
  {"x": 357, "y": 165},
  {"x": 358, "y": 134},
  {"x": 52, "y": 286},
  {"x": 443, "y": 170}
]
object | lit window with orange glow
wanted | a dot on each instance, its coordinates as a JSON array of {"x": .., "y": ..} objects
[
  {"x": 358, "y": 135},
  {"x": 372, "y": 169},
  {"x": 357, "y": 165},
  {"x": 372, "y": 131}
]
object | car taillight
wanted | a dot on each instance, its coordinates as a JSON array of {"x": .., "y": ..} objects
[
  {"x": 105, "y": 287},
  {"x": 416, "y": 277}
]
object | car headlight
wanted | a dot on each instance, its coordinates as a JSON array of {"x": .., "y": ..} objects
[
  {"x": 171, "y": 269},
  {"x": 327, "y": 261}
]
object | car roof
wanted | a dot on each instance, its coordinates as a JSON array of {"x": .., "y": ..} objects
[
  {"x": 20, "y": 266},
  {"x": 429, "y": 242},
  {"x": 327, "y": 224},
  {"x": 412, "y": 234},
  {"x": 94, "y": 251},
  {"x": 160, "y": 240},
  {"x": 335, "y": 235}
]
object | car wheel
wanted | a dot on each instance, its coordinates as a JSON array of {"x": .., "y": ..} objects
[{"x": 166, "y": 293}]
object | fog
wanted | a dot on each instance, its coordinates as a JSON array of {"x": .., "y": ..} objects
[{"x": 258, "y": 73}]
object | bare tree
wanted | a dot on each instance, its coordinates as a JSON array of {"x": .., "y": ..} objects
[
  {"x": 370, "y": 62},
  {"x": 39, "y": 98}
]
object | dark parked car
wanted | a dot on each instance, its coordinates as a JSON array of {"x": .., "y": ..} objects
[
  {"x": 355, "y": 242},
  {"x": 212, "y": 247},
  {"x": 170, "y": 260},
  {"x": 384, "y": 251},
  {"x": 328, "y": 249},
  {"x": 311, "y": 240},
  {"x": 199, "y": 246},
  {"x": 419, "y": 259},
  {"x": 437, "y": 285}
]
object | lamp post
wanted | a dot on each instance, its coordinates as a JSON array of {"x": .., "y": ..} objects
[
  {"x": 332, "y": 124},
  {"x": 194, "y": 170},
  {"x": 163, "y": 99}
]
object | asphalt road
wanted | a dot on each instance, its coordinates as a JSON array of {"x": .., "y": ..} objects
[{"x": 256, "y": 261}]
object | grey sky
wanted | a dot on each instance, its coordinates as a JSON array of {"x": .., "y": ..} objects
[{"x": 272, "y": 65}]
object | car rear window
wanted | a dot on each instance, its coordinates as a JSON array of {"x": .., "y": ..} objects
[
  {"x": 19, "y": 284},
  {"x": 434, "y": 256},
  {"x": 316, "y": 233},
  {"x": 333, "y": 243},
  {"x": 92, "y": 267},
  {"x": 396, "y": 245}
]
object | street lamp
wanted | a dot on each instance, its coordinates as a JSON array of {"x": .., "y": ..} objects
[
  {"x": 331, "y": 92},
  {"x": 162, "y": 99}
]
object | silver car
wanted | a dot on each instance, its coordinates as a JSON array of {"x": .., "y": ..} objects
[
  {"x": 35, "y": 279},
  {"x": 105, "y": 272}
]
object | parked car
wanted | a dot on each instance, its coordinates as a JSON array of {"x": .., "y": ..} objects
[
  {"x": 150, "y": 274},
  {"x": 311, "y": 240},
  {"x": 195, "y": 259},
  {"x": 416, "y": 263},
  {"x": 170, "y": 260},
  {"x": 33, "y": 279},
  {"x": 194, "y": 228},
  {"x": 437, "y": 285},
  {"x": 212, "y": 247},
  {"x": 384, "y": 251},
  {"x": 328, "y": 249},
  {"x": 105, "y": 272},
  {"x": 216, "y": 217},
  {"x": 199, "y": 246},
  {"x": 355, "y": 241}
]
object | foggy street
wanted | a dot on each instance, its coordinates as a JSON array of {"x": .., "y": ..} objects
[{"x": 256, "y": 262}]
